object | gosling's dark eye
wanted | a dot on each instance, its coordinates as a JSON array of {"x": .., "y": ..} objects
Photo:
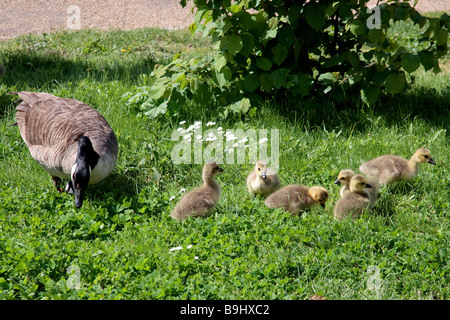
[
  {"x": 259, "y": 169},
  {"x": 426, "y": 157}
]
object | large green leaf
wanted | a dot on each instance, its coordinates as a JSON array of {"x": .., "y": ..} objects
[
  {"x": 279, "y": 77},
  {"x": 251, "y": 82},
  {"x": 315, "y": 15},
  {"x": 234, "y": 44},
  {"x": 410, "y": 62},
  {"x": 395, "y": 82},
  {"x": 266, "y": 82},
  {"x": 280, "y": 53},
  {"x": 305, "y": 82},
  {"x": 370, "y": 95},
  {"x": 155, "y": 112},
  {"x": 241, "y": 106},
  {"x": 263, "y": 63},
  {"x": 157, "y": 91},
  {"x": 356, "y": 26}
]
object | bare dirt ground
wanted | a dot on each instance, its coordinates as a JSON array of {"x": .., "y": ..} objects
[{"x": 39, "y": 16}]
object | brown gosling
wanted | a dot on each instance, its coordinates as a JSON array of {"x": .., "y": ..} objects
[
  {"x": 296, "y": 198},
  {"x": 262, "y": 180},
  {"x": 389, "y": 168},
  {"x": 200, "y": 202},
  {"x": 345, "y": 177},
  {"x": 354, "y": 201}
]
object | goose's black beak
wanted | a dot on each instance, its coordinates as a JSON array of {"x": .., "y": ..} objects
[
  {"x": 322, "y": 205},
  {"x": 79, "y": 196},
  {"x": 431, "y": 161},
  {"x": 337, "y": 181},
  {"x": 81, "y": 174},
  {"x": 220, "y": 169},
  {"x": 368, "y": 186}
]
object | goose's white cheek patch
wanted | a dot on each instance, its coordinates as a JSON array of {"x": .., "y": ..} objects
[{"x": 74, "y": 167}]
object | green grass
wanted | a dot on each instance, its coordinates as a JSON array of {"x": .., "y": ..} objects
[{"x": 121, "y": 237}]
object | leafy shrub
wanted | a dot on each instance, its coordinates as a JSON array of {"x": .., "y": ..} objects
[{"x": 294, "y": 49}]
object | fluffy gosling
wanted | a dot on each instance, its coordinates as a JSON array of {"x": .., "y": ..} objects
[
  {"x": 262, "y": 180},
  {"x": 355, "y": 200},
  {"x": 345, "y": 177},
  {"x": 296, "y": 198},
  {"x": 201, "y": 201},
  {"x": 389, "y": 168}
]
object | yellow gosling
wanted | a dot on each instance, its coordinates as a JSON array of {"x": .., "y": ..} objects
[
  {"x": 262, "y": 180},
  {"x": 344, "y": 178},
  {"x": 354, "y": 201},
  {"x": 297, "y": 198}
]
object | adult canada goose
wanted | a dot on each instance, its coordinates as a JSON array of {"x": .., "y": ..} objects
[
  {"x": 345, "y": 177},
  {"x": 262, "y": 180},
  {"x": 296, "y": 198},
  {"x": 201, "y": 201},
  {"x": 389, "y": 168},
  {"x": 68, "y": 138},
  {"x": 354, "y": 200}
]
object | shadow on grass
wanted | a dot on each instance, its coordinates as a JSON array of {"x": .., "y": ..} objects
[
  {"x": 41, "y": 69},
  {"x": 423, "y": 103}
]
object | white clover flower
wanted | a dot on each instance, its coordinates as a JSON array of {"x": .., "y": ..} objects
[
  {"x": 175, "y": 248},
  {"x": 182, "y": 190},
  {"x": 219, "y": 129},
  {"x": 210, "y": 123},
  {"x": 189, "y": 246},
  {"x": 196, "y": 258},
  {"x": 231, "y": 137},
  {"x": 263, "y": 140},
  {"x": 236, "y": 144},
  {"x": 244, "y": 140},
  {"x": 181, "y": 130},
  {"x": 183, "y": 122},
  {"x": 199, "y": 137},
  {"x": 171, "y": 198},
  {"x": 191, "y": 127},
  {"x": 197, "y": 124},
  {"x": 211, "y": 138}
]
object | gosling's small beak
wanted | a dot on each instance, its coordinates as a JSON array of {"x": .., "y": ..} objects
[
  {"x": 263, "y": 175},
  {"x": 431, "y": 161},
  {"x": 322, "y": 205},
  {"x": 220, "y": 169},
  {"x": 368, "y": 186},
  {"x": 337, "y": 181}
]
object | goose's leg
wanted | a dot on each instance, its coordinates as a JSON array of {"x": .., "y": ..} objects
[{"x": 56, "y": 183}]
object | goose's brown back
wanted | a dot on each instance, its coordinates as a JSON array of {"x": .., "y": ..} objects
[{"x": 50, "y": 124}]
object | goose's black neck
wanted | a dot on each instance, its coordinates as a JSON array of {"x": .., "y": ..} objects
[{"x": 86, "y": 152}]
